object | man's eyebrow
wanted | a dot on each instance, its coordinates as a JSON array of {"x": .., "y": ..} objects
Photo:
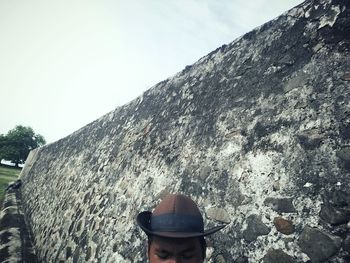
[
  {"x": 162, "y": 250},
  {"x": 189, "y": 249}
]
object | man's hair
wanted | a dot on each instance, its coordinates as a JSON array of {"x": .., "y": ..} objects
[{"x": 202, "y": 243}]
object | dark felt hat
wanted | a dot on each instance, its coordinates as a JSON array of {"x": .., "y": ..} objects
[{"x": 176, "y": 216}]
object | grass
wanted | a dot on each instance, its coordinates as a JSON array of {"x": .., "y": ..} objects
[{"x": 7, "y": 174}]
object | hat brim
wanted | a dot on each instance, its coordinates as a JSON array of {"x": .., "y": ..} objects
[{"x": 144, "y": 218}]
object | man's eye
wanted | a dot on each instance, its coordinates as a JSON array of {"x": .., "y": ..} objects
[
  {"x": 188, "y": 256},
  {"x": 162, "y": 255}
]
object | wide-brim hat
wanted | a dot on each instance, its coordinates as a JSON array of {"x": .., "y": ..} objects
[{"x": 176, "y": 216}]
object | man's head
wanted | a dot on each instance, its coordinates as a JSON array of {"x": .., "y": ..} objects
[
  {"x": 184, "y": 250},
  {"x": 175, "y": 230}
]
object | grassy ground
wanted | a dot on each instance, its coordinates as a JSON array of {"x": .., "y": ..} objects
[{"x": 7, "y": 174}]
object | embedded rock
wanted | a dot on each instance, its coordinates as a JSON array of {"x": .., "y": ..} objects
[
  {"x": 318, "y": 245},
  {"x": 220, "y": 259},
  {"x": 346, "y": 76},
  {"x": 336, "y": 207},
  {"x": 205, "y": 172},
  {"x": 344, "y": 154},
  {"x": 346, "y": 245},
  {"x": 282, "y": 205},
  {"x": 277, "y": 256},
  {"x": 333, "y": 215},
  {"x": 218, "y": 214},
  {"x": 259, "y": 126},
  {"x": 241, "y": 259},
  {"x": 284, "y": 226},
  {"x": 255, "y": 228},
  {"x": 310, "y": 139}
]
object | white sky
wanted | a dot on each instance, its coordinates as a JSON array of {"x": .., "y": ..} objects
[{"x": 66, "y": 63}]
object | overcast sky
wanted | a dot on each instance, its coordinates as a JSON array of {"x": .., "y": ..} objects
[{"x": 66, "y": 63}]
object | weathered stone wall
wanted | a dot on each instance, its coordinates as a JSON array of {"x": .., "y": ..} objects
[
  {"x": 257, "y": 133},
  {"x": 15, "y": 238}
]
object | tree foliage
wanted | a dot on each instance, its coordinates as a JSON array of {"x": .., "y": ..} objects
[{"x": 18, "y": 142}]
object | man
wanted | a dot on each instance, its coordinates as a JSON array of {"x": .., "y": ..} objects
[{"x": 175, "y": 231}]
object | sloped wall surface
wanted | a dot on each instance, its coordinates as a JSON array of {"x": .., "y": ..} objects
[
  {"x": 15, "y": 238},
  {"x": 256, "y": 132}
]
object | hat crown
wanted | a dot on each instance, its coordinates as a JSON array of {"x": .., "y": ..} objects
[
  {"x": 177, "y": 204},
  {"x": 176, "y": 216},
  {"x": 177, "y": 213}
]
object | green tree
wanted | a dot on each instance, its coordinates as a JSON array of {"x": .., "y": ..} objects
[
  {"x": 3, "y": 144},
  {"x": 18, "y": 142}
]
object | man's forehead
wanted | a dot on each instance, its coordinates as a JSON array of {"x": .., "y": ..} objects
[{"x": 180, "y": 243}]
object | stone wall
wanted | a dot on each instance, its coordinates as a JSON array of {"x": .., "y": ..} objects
[
  {"x": 15, "y": 237},
  {"x": 256, "y": 132}
]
